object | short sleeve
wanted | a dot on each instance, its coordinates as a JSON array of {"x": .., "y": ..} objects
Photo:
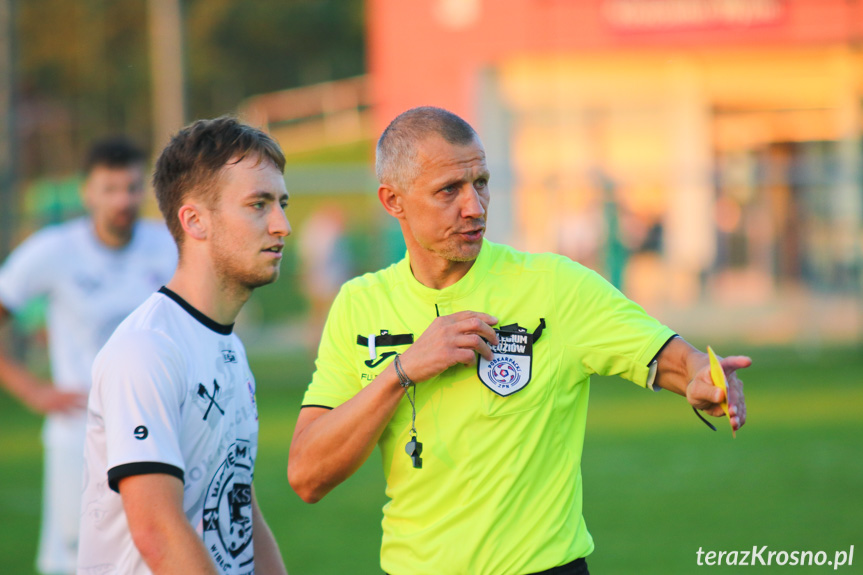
[
  {"x": 138, "y": 378},
  {"x": 335, "y": 380},
  {"x": 609, "y": 333},
  {"x": 27, "y": 272}
]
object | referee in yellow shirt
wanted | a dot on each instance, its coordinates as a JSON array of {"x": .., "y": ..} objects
[{"x": 469, "y": 363}]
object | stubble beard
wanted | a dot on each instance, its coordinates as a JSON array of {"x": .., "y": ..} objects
[
  {"x": 234, "y": 272},
  {"x": 454, "y": 250},
  {"x": 457, "y": 255},
  {"x": 119, "y": 227}
]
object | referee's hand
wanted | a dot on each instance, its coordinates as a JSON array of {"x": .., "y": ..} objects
[
  {"x": 449, "y": 340},
  {"x": 704, "y": 395}
]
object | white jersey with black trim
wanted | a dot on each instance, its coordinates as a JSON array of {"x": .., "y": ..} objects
[
  {"x": 172, "y": 393},
  {"x": 90, "y": 288}
]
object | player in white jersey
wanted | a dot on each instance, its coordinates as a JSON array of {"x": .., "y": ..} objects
[
  {"x": 172, "y": 425},
  {"x": 93, "y": 271}
]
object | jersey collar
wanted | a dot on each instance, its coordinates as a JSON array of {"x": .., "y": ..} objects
[
  {"x": 215, "y": 326},
  {"x": 456, "y": 291}
]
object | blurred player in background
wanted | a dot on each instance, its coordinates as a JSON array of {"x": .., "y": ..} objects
[
  {"x": 93, "y": 271},
  {"x": 172, "y": 431},
  {"x": 483, "y": 457},
  {"x": 325, "y": 263}
]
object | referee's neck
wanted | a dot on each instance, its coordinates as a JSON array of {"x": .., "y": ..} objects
[{"x": 436, "y": 270}]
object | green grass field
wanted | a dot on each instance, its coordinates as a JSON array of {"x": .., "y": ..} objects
[{"x": 658, "y": 483}]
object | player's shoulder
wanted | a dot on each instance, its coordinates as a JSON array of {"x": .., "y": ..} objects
[
  {"x": 154, "y": 227},
  {"x": 154, "y": 232},
  {"x": 58, "y": 236},
  {"x": 147, "y": 330},
  {"x": 383, "y": 279},
  {"x": 151, "y": 318}
]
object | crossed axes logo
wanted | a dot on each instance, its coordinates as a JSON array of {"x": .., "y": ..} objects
[{"x": 204, "y": 394}]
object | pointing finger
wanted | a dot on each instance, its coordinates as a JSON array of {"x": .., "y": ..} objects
[{"x": 735, "y": 362}]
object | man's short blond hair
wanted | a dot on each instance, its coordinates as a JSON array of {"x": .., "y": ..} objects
[{"x": 395, "y": 158}]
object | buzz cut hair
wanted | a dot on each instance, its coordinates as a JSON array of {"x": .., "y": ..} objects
[
  {"x": 396, "y": 152},
  {"x": 113, "y": 152},
  {"x": 191, "y": 164}
]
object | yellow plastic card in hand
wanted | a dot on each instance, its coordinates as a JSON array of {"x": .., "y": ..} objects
[{"x": 717, "y": 374}]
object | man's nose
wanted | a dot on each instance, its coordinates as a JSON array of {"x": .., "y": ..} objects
[
  {"x": 473, "y": 206},
  {"x": 279, "y": 224},
  {"x": 129, "y": 197}
]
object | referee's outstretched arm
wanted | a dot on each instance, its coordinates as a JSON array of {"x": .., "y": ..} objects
[
  {"x": 330, "y": 445},
  {"x": 683, "y": 369}
]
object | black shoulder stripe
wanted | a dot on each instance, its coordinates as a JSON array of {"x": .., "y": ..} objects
[
  {"x": 115, "y": 474},
  {"x": 321, "y": 406},
  {"x": 388, "y": 340}
]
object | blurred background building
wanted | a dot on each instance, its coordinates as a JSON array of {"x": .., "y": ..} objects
[{"x": 704, "y": 155}]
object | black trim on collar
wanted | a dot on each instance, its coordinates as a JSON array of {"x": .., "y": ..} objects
[
  {"x": 313, "y": 405},
  {"x": 115, "y": 474},
  {"x": 207, "y": 322}
]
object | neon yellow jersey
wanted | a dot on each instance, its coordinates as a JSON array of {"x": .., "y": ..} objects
[{"x": 500, "y": 488}]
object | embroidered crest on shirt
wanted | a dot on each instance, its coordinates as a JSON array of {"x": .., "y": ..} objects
[{"x": 510, "y": 369}]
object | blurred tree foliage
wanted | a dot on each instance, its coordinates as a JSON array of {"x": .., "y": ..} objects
[
  {"x": 83, "y": 73},
  {"x": 236, "y": 49},
  {"x": 83, "y": 65}
]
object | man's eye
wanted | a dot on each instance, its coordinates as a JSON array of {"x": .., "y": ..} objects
[{"x": 480, "y": 184}]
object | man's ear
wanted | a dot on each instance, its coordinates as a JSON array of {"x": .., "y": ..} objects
[
  {"x": 194, "y": 221},
  {"x": 391, "y": 199}
]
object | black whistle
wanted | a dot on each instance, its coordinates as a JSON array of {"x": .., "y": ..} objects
[{"x": 414, "y": 449}]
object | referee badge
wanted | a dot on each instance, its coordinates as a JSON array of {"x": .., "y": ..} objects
[{"x": 510, "y": 370}]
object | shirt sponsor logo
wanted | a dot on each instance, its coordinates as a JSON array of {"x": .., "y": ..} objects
[
  {"x": 385, "y": 355},
  {"x": 228, "y": 510},
  {"x": 229, "y": 356}
]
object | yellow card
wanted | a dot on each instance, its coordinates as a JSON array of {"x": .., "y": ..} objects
[{"x": 717, "y": 374}]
